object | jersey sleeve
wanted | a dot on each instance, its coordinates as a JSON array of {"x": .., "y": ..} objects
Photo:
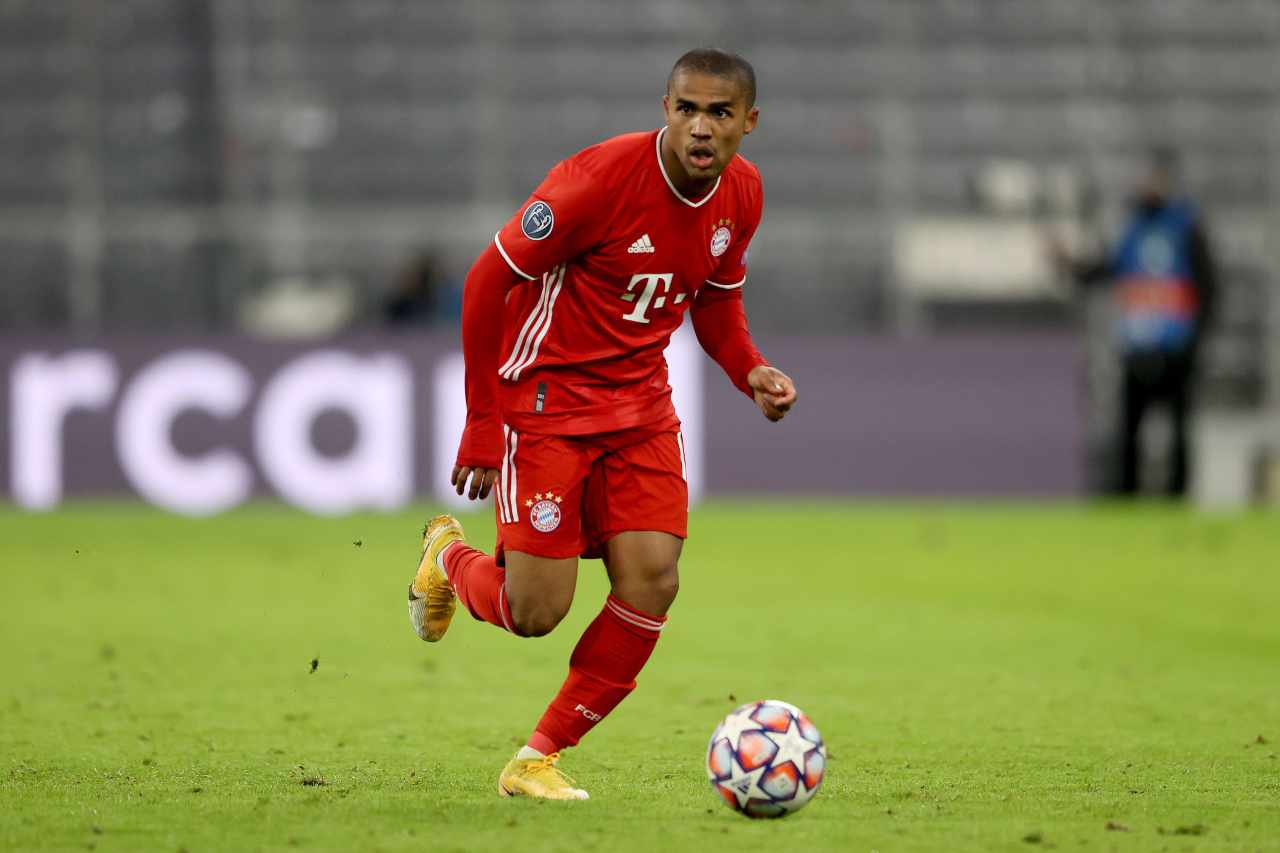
[
  {"x": 732, "y": 270},
  {"x": 558, "y": 222}
]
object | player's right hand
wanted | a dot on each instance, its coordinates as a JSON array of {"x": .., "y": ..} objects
[
  {"x": 774, "y": 391},
  {"x": 482, "y": 481}
]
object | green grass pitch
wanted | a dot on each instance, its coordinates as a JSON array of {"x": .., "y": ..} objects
[{"x": 986, "y": 677}]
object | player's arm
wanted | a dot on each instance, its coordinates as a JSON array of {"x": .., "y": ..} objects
[
  {"x": 720, "y": 322},
  {"x": 554, "y": 224},
  {"x": 483, "y": 297}
]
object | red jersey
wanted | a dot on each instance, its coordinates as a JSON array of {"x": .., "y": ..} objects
[{"x": 614, "y": 257}]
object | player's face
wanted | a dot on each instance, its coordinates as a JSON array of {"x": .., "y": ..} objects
[{"x": 707, "y": 116}]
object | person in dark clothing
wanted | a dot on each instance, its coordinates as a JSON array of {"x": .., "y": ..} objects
[
  {"x": 418, "y": 294},
  {"x": 1163, "y": 276}
]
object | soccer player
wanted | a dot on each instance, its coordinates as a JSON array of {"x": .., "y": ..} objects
[{"x": 565, "y": 317}]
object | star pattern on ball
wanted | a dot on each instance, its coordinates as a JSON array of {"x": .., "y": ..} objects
[
  {"x": 792, "y": 745},
  {"x": 773, "y": 789},
  {"x": 746, "y": 786},
  {"x": 734, "y": 726}
]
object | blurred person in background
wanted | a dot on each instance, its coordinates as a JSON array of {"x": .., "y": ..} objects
[
  {"x": 422, "y": 295},
  {"x": 1162, "y": 273}
]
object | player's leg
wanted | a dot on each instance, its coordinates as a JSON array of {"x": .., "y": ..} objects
[
  {"x": 526, "y": 586},
  {"x": 637, "y": 505},
  {"x": 618, "y": 642},
  {"x": 524, "y": 594},
  {"x": 540, "y": 529},
  {"x": 527, "y": 596},
  {"x": 643, "y": 571},
  {"x": 605, "y": 662},
  {"x": 540, "y": 590}
]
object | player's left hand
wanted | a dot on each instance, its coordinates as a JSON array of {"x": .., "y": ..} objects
[
  {"x": 774, "y": 391},
  {"x": 482, "y": 481}
]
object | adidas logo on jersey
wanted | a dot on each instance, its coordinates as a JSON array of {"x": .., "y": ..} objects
[{"x": 641, "y": 246}]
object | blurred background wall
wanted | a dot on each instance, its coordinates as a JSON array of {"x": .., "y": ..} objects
[{"x": 283, "y": 167}]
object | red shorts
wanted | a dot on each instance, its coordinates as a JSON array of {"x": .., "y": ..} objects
[{"x": 565, "y": 496}]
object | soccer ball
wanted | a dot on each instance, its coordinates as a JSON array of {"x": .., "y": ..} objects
[{"x": 766, "y": 759}]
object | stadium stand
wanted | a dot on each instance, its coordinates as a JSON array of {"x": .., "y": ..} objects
[{"x": 163, "y": 160}]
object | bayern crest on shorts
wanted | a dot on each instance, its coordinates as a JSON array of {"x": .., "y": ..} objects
[{"x": 544, "y": 512}]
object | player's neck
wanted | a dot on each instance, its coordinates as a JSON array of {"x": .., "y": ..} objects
[{"x": 686, "y": 186}]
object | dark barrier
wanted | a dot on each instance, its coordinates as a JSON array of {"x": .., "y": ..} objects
[
  {"x": 200, "y": 425},
  {"x": 964, "y": 416}
]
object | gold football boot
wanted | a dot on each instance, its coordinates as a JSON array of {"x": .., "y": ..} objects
[
  {"x": 431, "y": 598},
  {"x": 538, "y": 778}
]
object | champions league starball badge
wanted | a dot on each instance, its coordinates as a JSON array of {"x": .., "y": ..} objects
[{"x": 538, "y": 220}]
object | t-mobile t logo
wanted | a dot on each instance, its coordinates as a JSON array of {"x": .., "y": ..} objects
[
  {"x": 588, "y": 713},
  {"x": 649, "y": 284}
]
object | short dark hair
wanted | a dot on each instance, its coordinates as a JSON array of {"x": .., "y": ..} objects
[{"x": 719, "y": 63}]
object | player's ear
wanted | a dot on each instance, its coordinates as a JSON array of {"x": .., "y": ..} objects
[
  {"x": 753, "y": 116},
  {"x": 666, "y": 104}
]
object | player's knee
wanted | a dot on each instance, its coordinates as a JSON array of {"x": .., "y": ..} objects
[
  {"x": 651, "y": 591},
  {"x": 665, "y": 586},
  {"x": 537, "y": 618}
]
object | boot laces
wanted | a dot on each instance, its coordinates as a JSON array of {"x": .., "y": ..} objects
[{"x": 546, "y": 767}]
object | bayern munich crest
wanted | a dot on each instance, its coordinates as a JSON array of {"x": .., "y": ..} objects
[
  {"x": 538, "y": 220},
  {"x": 544, "y": 511},
  {"x": 720, "y": 239}
]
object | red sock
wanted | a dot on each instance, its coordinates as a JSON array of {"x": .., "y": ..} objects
[
  {"x": 480, "y": 583},
  {"x": 602, "y": 671}
]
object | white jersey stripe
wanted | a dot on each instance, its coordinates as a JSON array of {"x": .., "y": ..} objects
[
  {"x": 503, "y": 475},
  {"x": 535, "y": 317},
  {"x": 543, "y": 329},
  {"x": 530, "y": 329},
  {"x": 507, "y": 258},
  {"x": 684, "y": 470},
  {"x": 513, "y": 508},
  {"x": 727, "y": 286},
  {"x": 529, "y": 322}
]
